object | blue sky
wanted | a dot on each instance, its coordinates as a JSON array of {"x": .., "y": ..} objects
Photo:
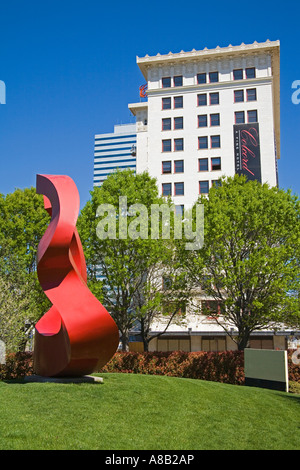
[{"x": 70, "y": 71}]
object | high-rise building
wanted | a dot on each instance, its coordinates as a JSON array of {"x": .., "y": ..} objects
[
  {"x": 209, "y": 113},
  {"x": 114, "y": 150}
]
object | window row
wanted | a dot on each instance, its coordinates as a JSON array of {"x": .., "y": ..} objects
[
  {"x": 167, "y": 123},
  {"x": 167, "y": 81},
  {"x": 214, "y": 141},
  {"x": 211, "y": 77},
  {"x": 239, "y": 96},
  {"x": 178, "y": 188},
  {"x": 203, "y": 120},
  {"x": 177, "y": 145},
  {"x": 177, "y": 102},
  {"x": 203, "y": 99},
  {"x": 240, "y": 116},
  {"x": 214, "y": 98},
  {"x": 178, "y": 166},
  {"x": 240, "y": 74},
  {"x": 214, "y": 120},
  {"x": 203, "y": 165}
]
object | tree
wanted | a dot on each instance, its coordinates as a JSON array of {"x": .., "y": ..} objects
[
  {"x": 162, "y": 296},
  {"x": 14, "y": 305},
  {"x": 122, "y": 246},
  {"x": 23, "y": 221},
  {"x": 249, "y": 262}
]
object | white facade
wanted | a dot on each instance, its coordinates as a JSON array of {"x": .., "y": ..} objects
[
  {"x": 114, "y": 150},
  {"x": 172, "y": 154},
  {"x": 237, "y": 82}
]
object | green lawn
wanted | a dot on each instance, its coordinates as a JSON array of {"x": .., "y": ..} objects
[{"x": 142, "y": 412}]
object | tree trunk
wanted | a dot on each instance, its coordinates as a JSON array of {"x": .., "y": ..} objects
[
  {"x": 243, "y": 340},
  {"x": 125, "y": 340}
]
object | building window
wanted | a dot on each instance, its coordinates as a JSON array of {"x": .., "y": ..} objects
[
  {"x": 202, "y": 142},
  {"x": 178, "y": 80},
  {"x": 214, "y": 98},
  {"x": 213, "y": 343},
  {"x": 178, "y": 189},
  {"x": 178, "y": 166},
  {"x": 166, "y": 103},
  {"x": 215, "y": 119},
  {"x": 216, "y": 183},
  {"x": 252, "y": 116},
  {"x": 179, "y": 210},
  {"x": 239, "y": 117},
  {"x": 250, "y": 72},
  {"x": 166, "y": 124},
  {"x": 166, "y": 189},
  {"x": 173, "y": 344},
  {"x": 202, "y": 99},
  {"x": 213, "y": 77},
  {"x": 238, "y": 74},
  {"x": 167, "y": 167},
  {"x": 202, "y": 120},
  {"x": 261, "y": 342},
  {"x": 178, "y": 145},
  {"x": 216, "y": 163},
  {"x": 203, "y": 164},
  {"x": 215, "y": 141},
  {"x": 203, "y": 187},
  {"x": 238, "y": 96},
  {"x": 201, "y": 78},
  {"x": 178, "y": 102},
  {"x": 251, "y": 94},
  {"x": 166, "y": 145},
  {"x": 178, "y": 123},
  {"x": 166, "y": 82}
]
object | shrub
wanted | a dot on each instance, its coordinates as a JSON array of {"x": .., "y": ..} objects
[
  {"x": 225, "y": 366},
  {"x": 17, "y": 366},
  {"x": 294, "y": 369},
  {"x": 294, "y": 387}
]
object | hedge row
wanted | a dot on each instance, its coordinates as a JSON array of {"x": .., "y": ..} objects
[{"x": 225, "y": 366}]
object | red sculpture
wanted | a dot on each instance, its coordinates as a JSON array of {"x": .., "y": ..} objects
[{"x": 77, "y": 335}]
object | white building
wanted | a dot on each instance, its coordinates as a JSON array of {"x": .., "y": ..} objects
[
  {"x": 201, "y": 104},
  {"x": 209, "y": 113},
  {"x": 114, "y": 150}
]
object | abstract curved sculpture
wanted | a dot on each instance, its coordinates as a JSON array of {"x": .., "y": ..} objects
[{"x": 77, "y": 335}]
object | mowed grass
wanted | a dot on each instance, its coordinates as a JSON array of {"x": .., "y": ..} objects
[{"x": 140, "y": 412}]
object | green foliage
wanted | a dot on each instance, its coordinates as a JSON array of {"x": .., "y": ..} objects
[
  {"x": 120, "y": 261},
  {"x": 17, "y": 366},
  {"x": 249, "y": 262},
  {"x": 23, "y": 222}
]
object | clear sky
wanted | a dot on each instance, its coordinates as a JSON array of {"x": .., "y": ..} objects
[{"x": 70, "y": 71}]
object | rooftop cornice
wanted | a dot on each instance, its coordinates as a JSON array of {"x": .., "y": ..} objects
[
  {"x": 218, "y": 52},
  {"x": 134, "y": 107}
]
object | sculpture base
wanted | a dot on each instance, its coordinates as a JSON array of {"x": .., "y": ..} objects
[{"x": 64, "y": 380}]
